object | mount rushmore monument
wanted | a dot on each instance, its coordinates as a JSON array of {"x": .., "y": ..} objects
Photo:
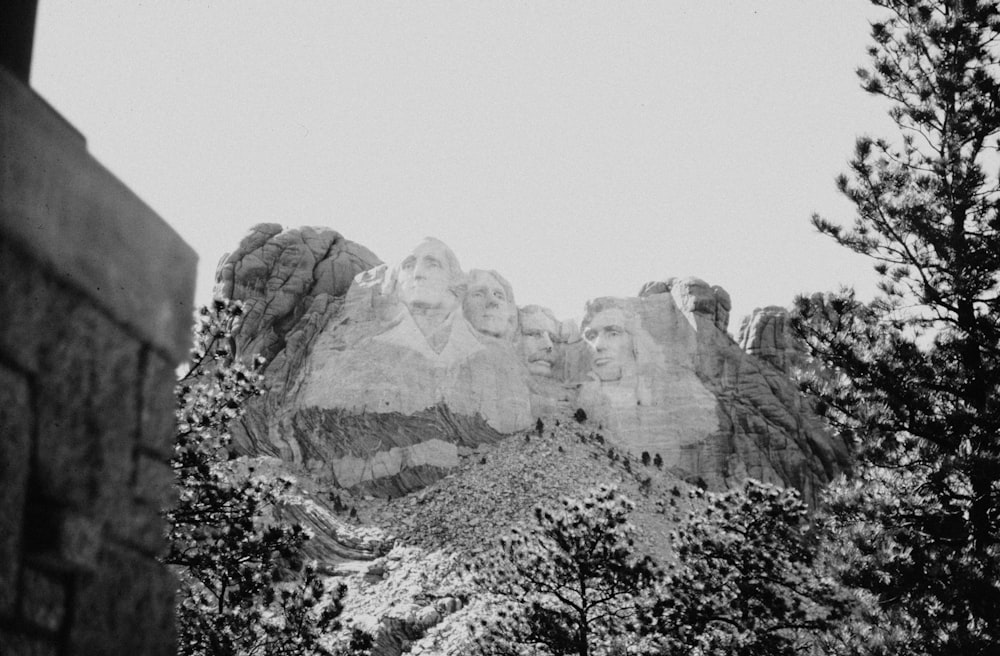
[{"x": 381, "y": 376}]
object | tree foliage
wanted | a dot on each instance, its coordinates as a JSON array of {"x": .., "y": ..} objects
[
  {"x": 747, "y": 580},
  {"x": 570, "y": 584},
  {"x": 240, "y": 593},
  {"x": 913, "y": 376}
]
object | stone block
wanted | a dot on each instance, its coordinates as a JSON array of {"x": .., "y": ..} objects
[
  {"x": 67, "y": 438},
  {"x": 43, "y": 600},
  {"x": 143, "y": 527},
  {"x": 127, "y": 608},
  {"x": 67, "y": 470},
  {"x": 61, "y": 538},
  {"x": 60, "y": 205},
  {"x": 88, "y": 423},
  {"x": 114, "y": 409},
  {"x": 154, "y": 490},
  {"x": 19, "y": 644},
  {"x": 155, "y": 482},
  {"x": 80, "y": 539},
  {"x": 31, "y": 305},
  {"x": 15, "y": 453},
  {"x": 157, "y": 421}
]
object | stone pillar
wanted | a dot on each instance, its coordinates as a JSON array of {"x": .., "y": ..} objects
[
  {"x": 95, "y": 298},
  {"x": 17, "y": 36}
]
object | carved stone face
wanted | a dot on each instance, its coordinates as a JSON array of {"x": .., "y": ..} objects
[
  {"x": 487, "y": 306},
  {"x": 425, "y": 277},
  {"x": 611, "y": 344},
  {"x": 538, "y": 333}
]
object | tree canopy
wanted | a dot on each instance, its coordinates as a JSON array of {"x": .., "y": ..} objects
[{"x": 913, "y": 375}]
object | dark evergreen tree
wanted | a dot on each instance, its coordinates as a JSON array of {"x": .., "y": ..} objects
[
  {"x": 571, "y": 584},
  {"x": 747, "y": 580},
  {"x": 913, "y": 376}
]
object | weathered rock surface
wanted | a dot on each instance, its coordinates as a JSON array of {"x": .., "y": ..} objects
[
  {"x": 380, "y": 376},
  {"x": 641, "y": 380},
  {"x": 337, "y": 536},
  {"x": 374, "y": 381},
  {"x": 767, "y": 429},
  {"x": 283, "y": 275},
  {"x": 764, "y": 333},
  {"x": 377, "y": 359}
]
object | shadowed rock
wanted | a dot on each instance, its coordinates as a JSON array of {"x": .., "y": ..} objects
[{"x": 279, "y": 275}]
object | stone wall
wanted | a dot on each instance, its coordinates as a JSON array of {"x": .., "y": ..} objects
[{"x": 95, "y": 295}]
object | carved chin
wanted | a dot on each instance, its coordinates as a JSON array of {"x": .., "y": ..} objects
[
  {"x": 428, "y": 300},
  {"x": 608, "y": 372},
  {"x": 491, "y": 326}
]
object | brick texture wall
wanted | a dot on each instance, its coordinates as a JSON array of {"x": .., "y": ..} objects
[{"x": 95, "y": 314}]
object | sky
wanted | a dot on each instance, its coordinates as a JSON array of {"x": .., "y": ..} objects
[{"x": 579, "y": 148}]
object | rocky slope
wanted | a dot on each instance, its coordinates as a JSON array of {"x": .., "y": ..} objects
[{"x": 411, "y": 590}]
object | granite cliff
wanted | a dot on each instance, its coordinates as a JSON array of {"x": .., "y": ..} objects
[{"x": 381, "y": 376}]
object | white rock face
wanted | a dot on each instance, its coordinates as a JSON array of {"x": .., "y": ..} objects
[
  {"x": 353, "y": 470},
  {"x": 378, "y": 381},
  {"x": 643, "y": 386},
  {"x": 406, "y": 347}
]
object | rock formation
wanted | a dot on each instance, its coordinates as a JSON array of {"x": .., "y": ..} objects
[
  {"x": 764, "y": 334},
  {"x": 404, "y": 344},
  {"x": 642, "y": 383},
  {"x": 380, "y": 376},
  {"x": 283, "y": 277},
  {"x": 766, "y": 427}
]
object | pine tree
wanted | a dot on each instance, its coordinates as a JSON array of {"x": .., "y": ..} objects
[
  {"x": 571, "y": 584},
  {"x": 747, "y": 580},
  {"x": 913, "y": 376},
  {"x": 238, "y": 594}
]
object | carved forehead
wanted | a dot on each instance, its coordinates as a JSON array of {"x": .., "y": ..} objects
[
  {"x": 606, "y": 318},
  {"x": 534, "y": 317},
  {"x": 438, "y": 250},
  {"x": 485, "y": 278}
]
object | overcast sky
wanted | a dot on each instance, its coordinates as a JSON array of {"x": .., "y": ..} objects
[{"x": 579, "y": 148}]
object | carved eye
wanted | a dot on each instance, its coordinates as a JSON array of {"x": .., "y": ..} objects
[
  {"x": 408, "y": 264},
  {"x": 590, "y": 335},
  {"x": 431, "y": 262}
]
